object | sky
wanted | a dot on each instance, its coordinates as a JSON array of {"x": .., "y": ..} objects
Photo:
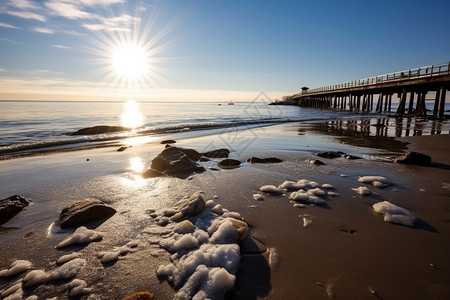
[{"x": 205, "y": 50}]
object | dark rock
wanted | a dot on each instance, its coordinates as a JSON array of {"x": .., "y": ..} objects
[
  {"x": 84, "y": 212},
  {"x": 11, "y": 206},
  {"x": 123, "y": 148},
  {"x": 330, "y": 154},
  {"x": 193, "y": 206},
  {"x": 177, "y": 162},
  {"x": 315, "y": 162},
  {"x": 183, "y": 167},
  {"x": 268, "y": 160},
  {"x": 99, "y": 130},
  {"x": 414, "y": 158},
  {"x": 204, "y": 159},
  {"x": 165, "y": 142},
  {"x": 219, "y": 153},
  {"x": 229, "y": 163},
  {"x": 150, "y": 173}
]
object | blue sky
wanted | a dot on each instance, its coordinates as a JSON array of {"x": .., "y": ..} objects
[{"x": 211, "y": 50}]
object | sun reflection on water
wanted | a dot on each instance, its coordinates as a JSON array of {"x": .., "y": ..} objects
[{"x": 131, "y": 116}]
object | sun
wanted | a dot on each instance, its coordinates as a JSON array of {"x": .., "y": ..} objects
[{"x": 130, "y": 62}]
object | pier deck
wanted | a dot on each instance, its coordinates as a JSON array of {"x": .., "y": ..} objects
[{"x": 410, "y": 86}]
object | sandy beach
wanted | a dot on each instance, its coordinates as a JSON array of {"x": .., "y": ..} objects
[{"x": 346, "y": 251}]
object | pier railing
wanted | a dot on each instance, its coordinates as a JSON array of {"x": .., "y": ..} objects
[{"x": 425, "y": 71}]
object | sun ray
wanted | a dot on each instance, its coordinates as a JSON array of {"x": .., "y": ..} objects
[{"x": 128, "y": 58}]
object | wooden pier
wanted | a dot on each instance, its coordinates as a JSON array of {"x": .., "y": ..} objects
[{"x": 409, "y": 88}]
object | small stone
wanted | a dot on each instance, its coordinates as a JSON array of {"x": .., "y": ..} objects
[
  {"x": 121, "y": 149},
  {"x": 229, "y": 163},
  {"x": 219, "y": 153},
  {"x": 165, "y": 142},
  {"x": 414, "y": 158},
  {"x": 267, "y": 160},
  {"x": 11, "y": 206},
  {"x": 84, "y": 212}
]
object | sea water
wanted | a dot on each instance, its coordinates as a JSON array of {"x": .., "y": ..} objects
[
  {"x": 37, "y": 125},
  {"x": 31, "y": 126}
]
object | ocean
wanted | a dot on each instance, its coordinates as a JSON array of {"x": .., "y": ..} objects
[{"x": 32, "y": 126}]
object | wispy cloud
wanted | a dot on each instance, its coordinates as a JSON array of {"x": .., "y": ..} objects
[
  {"x": 8, "y": 40},
  {"x": 27, "y": 15},
  {"x": 61, "y": 46},
  {"x": 8, "y": 26},
  {"x": 3, "y": 70},
  {"x": 68, "y": 10},
  {"x": 43, "y": 30}
]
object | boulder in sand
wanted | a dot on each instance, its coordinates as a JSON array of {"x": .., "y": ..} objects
[
  {"x": 11, "y": 206},
  {"x": 219, "y": 153},
  {"x": 330, "y": 154},
  {"x": 84, "y": 212},
  {"x": 99, "y": 130},
  {"x": 229, "y": 163},
  {"x": 414, "y": 158},
  {"x": 177, "y": 162}
]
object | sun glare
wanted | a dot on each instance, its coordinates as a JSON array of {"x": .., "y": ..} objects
[
  {"x": 130, "y": 62},
  {"x": 131, "y": 117}
]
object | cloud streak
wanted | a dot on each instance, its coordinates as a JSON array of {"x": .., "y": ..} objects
[{"x": 8, "y": 26}]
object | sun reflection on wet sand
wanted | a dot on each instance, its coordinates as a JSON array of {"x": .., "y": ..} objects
[
  {"x": 139, "y": 140},
  {"x": 136, "y": 164}
]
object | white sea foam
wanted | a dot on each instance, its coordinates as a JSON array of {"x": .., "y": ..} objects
[
  {"x": 377, "y": 181},
  {"x": 82, "y": 235},
  {"x": 270, "y": 189},
  {"x": 362, "y": 190},
  {"x": 65, "y": 258},
  {"x": 395, "y": 214},
  {"x": 317, "y": 192},
  {"x": 206, "y": 255},
  {"x": 78, "y": 287},
  {"x": 258, "y": 197},
  {"x": 67, "y": 271},
  {"x": 327, "y": 186},
  {"x": 17, "y": 267}
]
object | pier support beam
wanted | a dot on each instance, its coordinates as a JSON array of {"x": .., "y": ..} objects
[
  {"x": 442, "y": 94},
  {"x": 402, "y": 104}
]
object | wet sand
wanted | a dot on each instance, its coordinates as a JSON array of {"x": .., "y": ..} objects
[{"x": 348, "y": 252}]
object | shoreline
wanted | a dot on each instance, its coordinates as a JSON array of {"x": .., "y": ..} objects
[{"x": 315, "y": 262}]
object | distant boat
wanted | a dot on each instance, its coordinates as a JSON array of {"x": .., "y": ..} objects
[{"x": 231, "y": 102}]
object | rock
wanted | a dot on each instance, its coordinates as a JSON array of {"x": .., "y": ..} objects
[
  {"x": 183, "y": 167},
  {"x": 204, "y": 159},
  {"x": 84, "y": 212},
  {"x": 330, "y": 154},
  {"x": 163, "y": 160},
  {"x": 123, "y": 148},
  {"x": 99, "y": 130},
  {"x": 229, "y": 163},
  {"x": 177, "y": 162},
  {"x": 268, "y": 160},
  {"x": 150, "y": 173},
  {"x": 315, "y": 162},
  {"x": 168, "y": 142},
  {"x": 414, "y": 158},
  {"x": 11, "y": 206},
  {"x": 240, "y": 226},
  {"x": 140, "y": 296},
  {"x": 219, "y": 153},
  {"x": 193, "y": 206}
]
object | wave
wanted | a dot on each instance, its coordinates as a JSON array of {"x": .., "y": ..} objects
[{"x": 68, "y": 140}]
